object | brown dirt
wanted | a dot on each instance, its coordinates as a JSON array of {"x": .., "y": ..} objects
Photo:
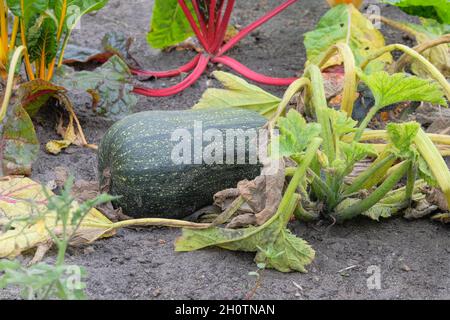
[{"x": 141, "y": 264}]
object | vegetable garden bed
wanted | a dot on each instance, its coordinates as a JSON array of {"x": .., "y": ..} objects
[{"x": 413, "y": 256}]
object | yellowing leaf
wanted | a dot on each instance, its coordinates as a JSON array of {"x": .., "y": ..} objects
[
  {"x": 22, "y": 198},
  {"x": 333, "y": 28},
  {"x": 238, "y": 93}
]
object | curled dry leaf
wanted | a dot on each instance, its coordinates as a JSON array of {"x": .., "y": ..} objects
[{"x": 261, "y": 198}]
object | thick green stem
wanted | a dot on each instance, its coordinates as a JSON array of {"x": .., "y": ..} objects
[
  {"x": 291, "y": 91},
  {"x": 410, "y": 183},
  {"x": 365, "y": 204},
  {"x": 432, "y": 70},
  {"x": 374, "y": 173},
  {"x": 349, "y": 94},
  {"x": 363, "y": 126},
  {"x": 435, "y": 162},
  {"x": 304, "y": 215},
  {"x": 319, "y": 102},
  {"x": 323, "y": 187},
  {"x": 298, "y": 176}
]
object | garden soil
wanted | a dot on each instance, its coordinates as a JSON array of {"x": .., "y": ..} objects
[{"x": 411, "y": 258}]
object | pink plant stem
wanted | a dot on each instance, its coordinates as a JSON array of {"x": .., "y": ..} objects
[
  {"x": 252, "y": 75},
  {"x": 193, "y": 25},
  {"x": 169, "y": 73},
  {"x": 244, "y": 32},
  {"x": 199, "y": 15},
  {"x": 190, "y": 80},
  {"x": 222, "y": 26},
  {"x": 212, "y": 21}
]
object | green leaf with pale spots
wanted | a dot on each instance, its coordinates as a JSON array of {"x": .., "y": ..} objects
[
  {"x": 19, "y": 146},
  {"x": 110, "y": 85}
]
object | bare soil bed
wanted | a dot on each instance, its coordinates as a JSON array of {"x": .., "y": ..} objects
[{"x": 413, "y": 256}]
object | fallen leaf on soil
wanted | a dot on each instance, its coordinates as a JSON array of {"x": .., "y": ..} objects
[
  {"x": 20, "y": 199},
  {"x": 443, "y": 217},
  {"x": 422, "y": 209},
  {"x": 292, "y": 253}
]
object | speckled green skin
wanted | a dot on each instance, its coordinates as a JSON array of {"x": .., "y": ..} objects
[{"x": 137, "y": 151}]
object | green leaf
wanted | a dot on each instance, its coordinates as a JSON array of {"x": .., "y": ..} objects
[
  {"x": 402, "y": 136},
  {"x": 332, "y": 29},
  {"x": 19, "y": 145},
  {"x": 295, "y": 253},
  {"x": 295, "y": 133},
  {"x": 436, "y": 9},
  {"x": 169, "y": 25},
  {"x": 426, "y": 174},
  {"x": 31, "y": 8},
  {"x": 355, "y": 151},
  {"x": 41, "y": 37},
  {"x": 399, "y": 87},
  {"x": 110, "y": 82},
  {"x": 238, "y": 93},
  {"x": 341, "y": 123}
]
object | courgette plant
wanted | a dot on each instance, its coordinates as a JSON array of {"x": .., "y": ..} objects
[{"x": 328, "y": 187}]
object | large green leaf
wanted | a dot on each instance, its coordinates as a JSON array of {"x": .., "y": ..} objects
[
  {"x": 293, "y": 253},
  {"x": 31, "y": 8},
  {"x": 238, "y": 93},
  {"x": 295, "y": 133},
  {"x": 19, "y": 146},
  {"x": 169, "y": 25},
  {"x": 41, "y": 38},
  {"x": 110, "y": 84},
  {"x": 399, "y": 87},
  {"x": 333, "y": 28},
  {"x": 434, "y": 9}
]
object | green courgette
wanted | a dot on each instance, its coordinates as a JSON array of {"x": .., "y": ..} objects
[{"x": 136, "y": 160}]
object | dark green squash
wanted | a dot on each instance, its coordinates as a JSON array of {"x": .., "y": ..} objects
[{"x": 135, "y": 161}]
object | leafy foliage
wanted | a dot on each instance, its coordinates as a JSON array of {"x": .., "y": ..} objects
[
  {"x": 436, "y": 9},
  {"x": 109, "y": 85},
  {"x": 169, "y": 25},
  {"x": 295, "y": 134},
  {"x": 19, "y": 145},
  {"x": 238, "y": 93},
  {"x": 333, "y": 28},
  {"x": 390, "y": 89}
]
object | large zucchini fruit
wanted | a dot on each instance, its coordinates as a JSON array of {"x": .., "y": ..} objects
[{"x": 136, "y": 162}]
